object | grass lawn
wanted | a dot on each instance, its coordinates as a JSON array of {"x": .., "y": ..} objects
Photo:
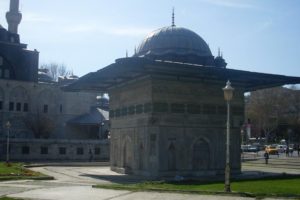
[
  {"x": 8, "y": 198},
  {"x": 15, "y": 171},
  {"x": 273, "y": 187}
]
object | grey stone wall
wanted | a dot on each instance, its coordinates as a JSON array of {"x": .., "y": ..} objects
[
  {"x": 55, "y": 150},
  {"x": 21, "y": 63},
  {"x": 30, "y": 98},
  {"x": 162, "y": 126}
]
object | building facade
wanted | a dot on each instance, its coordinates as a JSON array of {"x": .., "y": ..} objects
[
  {"x": 167, "y": 107},
  {"x": 43, "y": 117},
  {"x": 16, "y": 61},
  {"x": 174, "y": 127}
]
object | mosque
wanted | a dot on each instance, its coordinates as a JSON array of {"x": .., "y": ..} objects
[
  {"x": 43, "y": 121},
  {"x": 167, "y": 107},
  {"x": 167, "y": 110}
]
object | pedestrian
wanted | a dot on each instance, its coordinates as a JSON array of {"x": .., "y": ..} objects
[
  {"x": 266, "y": 155},
  {"x": 287, "y": 151},
  {"x": 298, "y": 149},
  {"x": 91, "y": 155}
]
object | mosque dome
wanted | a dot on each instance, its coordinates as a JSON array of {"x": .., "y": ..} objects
[
  {"x": 175, "y": 44},
  {"x": 103, "y": 102},
  {"x": 44, "y": 77}
]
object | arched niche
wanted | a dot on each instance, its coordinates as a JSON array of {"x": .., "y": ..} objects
[
  {"x": 201, "y": 154},
  {"x": 171, "y": 157},
  {"x": 19, "y": 94},
  {"x": 127, "y": 153}
]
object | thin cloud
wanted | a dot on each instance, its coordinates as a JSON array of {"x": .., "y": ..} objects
[
  {"x": 33, "y": 17},
  {"x": 93, "y": 28},
  {"x": 259, "y": 28},
  {"x": 262, "y": 26},
  {"x": 229, "y": 3},
  {"x": 81, "y": 28},
  {"x": 130, "y": 31}
]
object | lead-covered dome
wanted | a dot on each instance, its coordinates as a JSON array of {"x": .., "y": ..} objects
[{"x": 175, "y": 43}]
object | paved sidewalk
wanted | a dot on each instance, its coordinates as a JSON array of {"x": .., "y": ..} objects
[
  {"x": 75, "y": 182},
  {"x": 89, "y": 193}
]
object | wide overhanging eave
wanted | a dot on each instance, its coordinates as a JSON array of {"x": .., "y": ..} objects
[{"x": 131, "y": 68}]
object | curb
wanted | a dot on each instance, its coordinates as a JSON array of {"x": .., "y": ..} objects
[{"x": 68, "y": 164}]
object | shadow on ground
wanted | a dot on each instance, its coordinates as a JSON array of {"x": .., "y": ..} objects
[
  {"x": 131, "y": 179},
  {"x": 122, "y": 178}
]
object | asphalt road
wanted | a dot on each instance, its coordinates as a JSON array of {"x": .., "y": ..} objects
[{"x": 75, "y": 182}]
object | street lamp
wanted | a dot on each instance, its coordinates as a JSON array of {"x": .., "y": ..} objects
[
  {"x": 7, "y": 144},
  {"x": 242, "y": 135},
  {"x": 101, "y": 130},
  {"x": 228, "y": 93}
]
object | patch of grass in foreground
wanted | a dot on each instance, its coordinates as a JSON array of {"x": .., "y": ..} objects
[
  {"x": 280, "y": 187},
  {"x": 8, "y": 198},
  {"x": 15, "y": 171},
  {"x": 10, "y": 168}
]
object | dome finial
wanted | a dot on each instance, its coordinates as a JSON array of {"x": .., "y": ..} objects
[{"x": 173, "y": 18}]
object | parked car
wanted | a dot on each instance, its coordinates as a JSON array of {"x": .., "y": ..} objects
[
  {"x": 291, "y": 148},
  {"x": 249, "y": 148},
  {"x": 272, "y": 150},
  {"x": 281, "y": 148},
  {"x": 259, "y": 146},
  {"x": 244, "y": 148},
  {"x": 253, "y": 148}
]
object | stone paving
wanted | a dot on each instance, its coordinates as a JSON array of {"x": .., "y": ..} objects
[
  {"x": 100, "y": 194},
  {"x": 75, "y": 182},
  {"x": 277, "y": 164}
]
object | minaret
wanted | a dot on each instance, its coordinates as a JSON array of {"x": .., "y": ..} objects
[
  {"x": 13, "y": 16},
  {"x": 219, "y": 60},
  {"x": 173, "y": 18}
]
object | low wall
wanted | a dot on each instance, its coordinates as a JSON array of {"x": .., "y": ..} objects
[{"x": 55, "y": 150}]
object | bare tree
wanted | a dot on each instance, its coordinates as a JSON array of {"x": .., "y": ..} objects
[
  {"x": 292, "y": 114},
  {"x": 40, "y": 125},
  {"x": 266, "y": 109},
  {"x": 62, "y": 71},
  {"x": 55, "y": 70},
  {"x": 294, "y": 106}
]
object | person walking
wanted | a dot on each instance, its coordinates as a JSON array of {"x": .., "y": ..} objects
[
  {"x": 91, "y": 155},
  {"x": 266, "y": 155},
  {"x": 287, "y": 151}
]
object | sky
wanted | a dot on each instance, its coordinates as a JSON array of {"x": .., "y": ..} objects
[{"x": 85, "y": 36}]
